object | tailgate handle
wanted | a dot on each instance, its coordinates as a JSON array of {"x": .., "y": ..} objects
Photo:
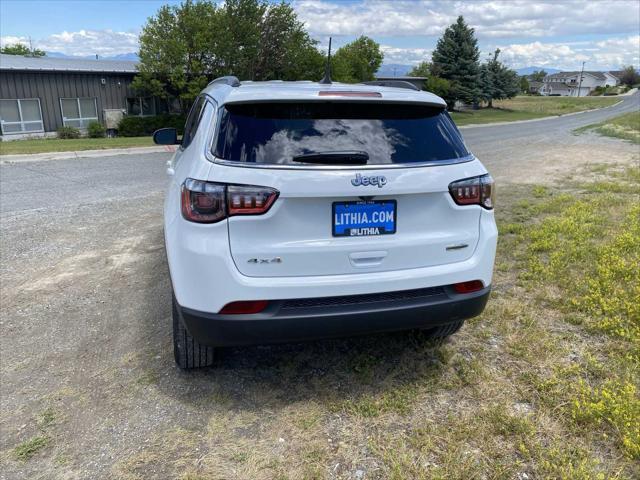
[{"x": 367, "y": 259}]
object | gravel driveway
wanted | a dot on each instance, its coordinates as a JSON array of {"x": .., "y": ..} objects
[{"x": 86, "y": 359}]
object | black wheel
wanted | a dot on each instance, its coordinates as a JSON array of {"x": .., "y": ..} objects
[
  {"x": 187, "y": 351},
  {"x": 444, "y": 331}
]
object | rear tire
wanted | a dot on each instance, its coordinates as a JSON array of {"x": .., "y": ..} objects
[
  {"x": 187, "y": 351},
  {"x": 444, "y": 331}
]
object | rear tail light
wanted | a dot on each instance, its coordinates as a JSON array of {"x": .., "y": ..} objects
[
  {"x": 244, "y": 307},
  {"x": 203, "y": 202},
  {"x": 208, "y": 202},
  {"x": 250, "y": 200},
  {"x": 468, "y": 287},
  {"x": 474, "y": 191}
]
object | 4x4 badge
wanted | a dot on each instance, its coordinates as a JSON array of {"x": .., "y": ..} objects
[
  {"x": 265, "y": 260},
  {"x": 379, "y": 180}
]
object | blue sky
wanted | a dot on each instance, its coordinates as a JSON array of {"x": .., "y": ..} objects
[{"x": 554, "y": 33}]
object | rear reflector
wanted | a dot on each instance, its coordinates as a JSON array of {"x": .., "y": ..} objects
[
  {"x": 468, "y": 287},
  {"x": 347, "y": 93},
  {"x": 244, "y": 307}
]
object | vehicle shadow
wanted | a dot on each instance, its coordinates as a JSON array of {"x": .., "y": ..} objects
[{"x": 329, "y": 372}]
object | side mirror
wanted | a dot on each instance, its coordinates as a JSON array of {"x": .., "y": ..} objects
[{"x": 165, "y": 136}]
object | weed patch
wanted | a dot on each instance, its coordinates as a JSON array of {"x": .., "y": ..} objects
[
  {"x": 28, "y": 449},
  {"x": 584, "y": 259}
]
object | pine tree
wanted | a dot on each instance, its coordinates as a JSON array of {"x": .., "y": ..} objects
[
  {"x": 502, "y": 81},
  {"x": 485, "y": 84},
  {"x": 456, "y": 59}
]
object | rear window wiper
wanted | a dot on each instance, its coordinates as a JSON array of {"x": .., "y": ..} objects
[{"x": 349, "y": 157}]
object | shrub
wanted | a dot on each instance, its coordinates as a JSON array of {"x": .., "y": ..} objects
[
  {"x": 96, "y": 130},
  {"x": 134, "y": 126},
  {"x": 68, "y": 132}
]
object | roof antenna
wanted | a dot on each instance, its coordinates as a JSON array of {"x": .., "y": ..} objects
[{"x": 327, "y": 69}]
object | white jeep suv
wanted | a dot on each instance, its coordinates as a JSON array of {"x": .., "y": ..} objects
[{"x": 300, "y": 210}]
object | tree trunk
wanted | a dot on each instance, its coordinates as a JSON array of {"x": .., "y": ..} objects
[{"x": 490, "y": 103}]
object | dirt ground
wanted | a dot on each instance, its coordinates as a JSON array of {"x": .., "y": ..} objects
[{"x": 87, "y": 364}]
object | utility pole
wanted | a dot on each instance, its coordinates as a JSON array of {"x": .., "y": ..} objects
[{"x": 580, "y": 84}]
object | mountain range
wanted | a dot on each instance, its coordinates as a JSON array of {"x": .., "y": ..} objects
[
  {"x": 121, "y": 56},
  {"x": 386, "y": 70},
  {"x": 399, "y": 70},
  {"x": 530, "y": 70}
]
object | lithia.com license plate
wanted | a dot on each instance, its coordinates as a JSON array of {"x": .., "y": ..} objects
[{"x": 359, "y": 219}]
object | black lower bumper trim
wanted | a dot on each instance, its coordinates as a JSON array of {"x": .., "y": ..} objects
[{"x": 277, "y": 324}]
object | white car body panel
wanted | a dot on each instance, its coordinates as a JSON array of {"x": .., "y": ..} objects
[{"x": 209, "y": 263}]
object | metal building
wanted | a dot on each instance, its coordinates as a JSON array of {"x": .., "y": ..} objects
[{"x": 40, "y": 94}]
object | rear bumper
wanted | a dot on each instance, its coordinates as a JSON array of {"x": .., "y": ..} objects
[{"x": 298, "y": 320}]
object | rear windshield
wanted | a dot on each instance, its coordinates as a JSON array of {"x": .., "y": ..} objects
[{"x": 276, "y": 133}]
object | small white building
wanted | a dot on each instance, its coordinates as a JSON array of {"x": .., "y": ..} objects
[{"x": 567, "y": 84}]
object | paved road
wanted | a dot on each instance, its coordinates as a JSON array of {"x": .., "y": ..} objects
[{"x": 480, "y": 136}]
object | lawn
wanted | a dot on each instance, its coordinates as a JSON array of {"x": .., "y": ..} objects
[
  {"x": 530, "y": 107},
  {"x": 42, "y": 145},
  {"x": 626, "y": 127}
]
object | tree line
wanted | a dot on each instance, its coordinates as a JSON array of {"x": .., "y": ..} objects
[{"x": 184, "y": 46}]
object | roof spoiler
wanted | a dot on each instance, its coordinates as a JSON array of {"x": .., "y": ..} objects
[
  {"x": 393, "y": 83},
  {"x": 228, "y": 80}
]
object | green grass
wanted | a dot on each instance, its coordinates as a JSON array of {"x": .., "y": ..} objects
[
  {"x": 45, "y": 145},
  {"x": 569, "y": 325},
  {"x": 626, "y": 127},
  {"x": 530, "y": 107},
  {"x": 28, "y": 449},
  {"x": 492, "y": 115}
]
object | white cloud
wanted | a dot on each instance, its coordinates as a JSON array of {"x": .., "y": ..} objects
[
  {"x": 602, "y": 55},
  {"x": 407, "y": 56},
  {"x": 12, "y": 40},
  {"x": 490, "y": 18},
  {"x": 82, "y": 43},
  {"x": 494, "y": 20}
]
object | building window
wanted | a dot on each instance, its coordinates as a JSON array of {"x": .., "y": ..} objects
[
  {"x": 169, "y": 105},
  {"x": 141, "y": 106},
  {"x": 21, "y": 116},
  {"x": 78, "y": 112}
]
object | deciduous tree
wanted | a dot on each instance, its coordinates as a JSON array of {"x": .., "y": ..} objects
[
  {"x": 630, "y": 76},
  {"x": 538, "y": 75},
  {"x": 20, "y": 49},
  {"x": 185, "y": 46},
  {"x": 357, "y": 61},
  {"x": 433, "y": 84}
]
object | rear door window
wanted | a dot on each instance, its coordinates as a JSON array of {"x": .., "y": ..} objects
[
  {"x": 193, "y": 120},
  {"x": 275, "y": 133}
]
